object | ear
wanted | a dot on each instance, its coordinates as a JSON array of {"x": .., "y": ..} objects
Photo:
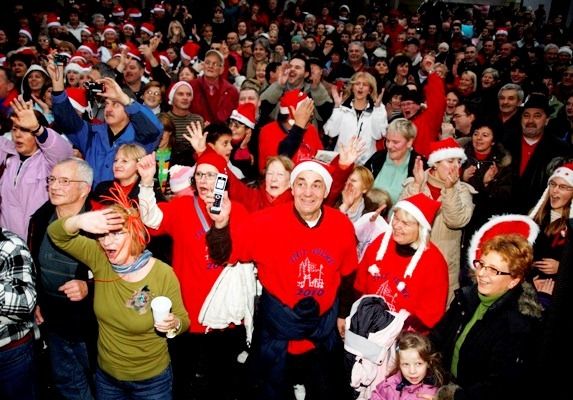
[{"x": 513, "y": 283}]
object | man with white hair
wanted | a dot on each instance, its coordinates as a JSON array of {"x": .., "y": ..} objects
[{"x": 295, "y": 340}]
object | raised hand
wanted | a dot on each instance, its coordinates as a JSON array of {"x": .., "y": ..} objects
[
  {"x": 336, "y": 96},
  {"x": 469, "y": 172},
  {"x": 24, "y": 115},
  {"x": 350, "y": 152},
  {"x": 283, "y": 74},
  {"x": 303, "y": 112},
  {"x": 98, "y": 222},
  {"x": 196, "y": 137},
  {"x": 419, "y": 173},
  {"x": 146, "y": 168},
  {"x": 56, "y": 73},
  {"x": 113, "y": 91},
  {"x": 490, "y": 174},
  {"x": 378, "y": 101}
]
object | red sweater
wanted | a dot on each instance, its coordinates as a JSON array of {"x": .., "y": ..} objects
[
  {"x": 425, "y": 292},
  {"x": 429, "y": 122},
  {"x": 218, "y": 107},
  {"x": 191, "y": 262},
  {"x": 295, "y": 261}
]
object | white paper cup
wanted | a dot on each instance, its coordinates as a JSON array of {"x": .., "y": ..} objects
[{"x": 160, "y": 306}]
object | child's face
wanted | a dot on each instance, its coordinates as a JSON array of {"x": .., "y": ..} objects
[
  {"x": 413, "y": 368},
  {"x": 223, "y": 146}
]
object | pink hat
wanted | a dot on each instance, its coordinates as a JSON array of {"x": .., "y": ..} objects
[
  {"x": 502, "y": 225},
  {"x": 291, "y": 98},
  {"x": 118, "y": 11},
  {"x": 174, "y": 88},
  {"x": 211, "y": 157},
  {"x": 78, "y": 98},
  {"x": 180, "y": 177},
  {"x": 444, "y": 149},
  {"x": 314, "y": 166},
  {"x": 148, "y": 28},
  {"x": 564, "y": 172},
  {"x": 26, "y": 32},
  {"x": 423, "y": 209},
  {"x": 245, "y": 114},
  {"x": 189, "y": 50}
]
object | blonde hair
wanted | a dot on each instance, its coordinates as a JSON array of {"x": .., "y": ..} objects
[
  {"x": 133, "y": 151},
  {"x": 366, "y": 76}
]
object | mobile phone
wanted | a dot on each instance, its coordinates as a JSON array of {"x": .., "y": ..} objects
[{"x": 220, "y": 185}]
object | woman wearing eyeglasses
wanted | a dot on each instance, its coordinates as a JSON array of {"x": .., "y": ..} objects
[
  {"x": 551, "y": 214},
  {"x": 133, "y": 360},
  {"x": 487, "y": 335}
]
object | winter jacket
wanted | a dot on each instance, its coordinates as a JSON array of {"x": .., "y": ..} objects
[
  {"x": 93, "y": 140},
  {"x": 23, "y": 187},
  {"x": 370, "y": 126},
  {"x": 393, "y": 388},
  {"x": 455, "y": 213},
  {"x": 496, "y": 355},
  {"x": 218, "y": 107}
]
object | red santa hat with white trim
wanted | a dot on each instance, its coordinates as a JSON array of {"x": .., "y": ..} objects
[
  {"x": 564, "y": 172},
  {"x": 245, "y": 114},
  {"x": 148, "y": 28},
  {"x": 502, "y": 225},
  {"x": 78, "y": 98},
  {"x": 109, "y": 29},
  {"x": 26, "y": 32},
  {"x": 134, "y": 12},
  {"x": 424, "y": 210},
  {"x": 292, "y": 98},
  {"x": 174, "y": 88},
  {"x": 79, "y": 66},
  {"x": 52, "y": 20},
  {"x": 445, "y": 149},
  {"x": 89, "y": 47},
  {"x": 189, "y": 51},
  {"x": 118, "y": 11}
]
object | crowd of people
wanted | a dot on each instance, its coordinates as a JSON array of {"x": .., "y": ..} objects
[{"x": 340, "y": 201}]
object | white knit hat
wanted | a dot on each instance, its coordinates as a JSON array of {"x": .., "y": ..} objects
[
  {"x": 564, "y": 172},
  {"x": 175, "y": 87}
]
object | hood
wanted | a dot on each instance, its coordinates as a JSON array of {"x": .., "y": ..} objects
[{"x": 33, "y": 67}]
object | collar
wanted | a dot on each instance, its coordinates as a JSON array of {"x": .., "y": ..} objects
[{"x": 311, "y": 224}]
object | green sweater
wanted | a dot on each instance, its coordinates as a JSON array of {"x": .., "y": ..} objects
[{"x": 129, "y": 348}]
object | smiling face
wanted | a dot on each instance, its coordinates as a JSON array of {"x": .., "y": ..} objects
[
  {"x": 296, "y": 73},
  {"x": 533, "y": 121},
  {"x": 397, "y": 145},
  {"x": 482, "y": 139},
  {"x": 72, "y": 193},
  {"x": 124, "y": 168},
  {"x": 309, "y": 191},
  {"x": 412, "y": 366},
  {"x": 223, "y": 146},
  {"x": 405, "y": 229},
  {"x": 276, "y": 179},
  {"x": 508, "y": 101},
  {"x": 36, "y": 80},
  {"x": 494, "y": 285}
]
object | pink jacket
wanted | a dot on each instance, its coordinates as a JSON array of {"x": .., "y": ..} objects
[{"x": 387, "y": 389}]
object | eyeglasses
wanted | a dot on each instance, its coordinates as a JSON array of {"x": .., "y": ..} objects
[
  {"x": 209, "y": 175},
  {"x": 115, "y": 236},
  {"x": 489, "y": 270},
  {"x": 565, "y": 188},
  {"x": 63, "y": 181},
  {"x": 152, "y": 93}
]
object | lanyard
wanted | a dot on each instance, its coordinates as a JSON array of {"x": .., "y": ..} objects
[{"x": 206, "y": 226}]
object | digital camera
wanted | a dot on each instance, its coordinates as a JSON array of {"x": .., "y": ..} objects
[
  {"x": 94, "y": 88},
  {"x": 60, "y": 59}
]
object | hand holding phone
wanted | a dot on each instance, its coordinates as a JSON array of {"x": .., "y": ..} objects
[{"x": 219, "y": 191}]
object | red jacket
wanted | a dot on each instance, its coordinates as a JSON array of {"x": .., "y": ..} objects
[{"x": 218, "y": 107}]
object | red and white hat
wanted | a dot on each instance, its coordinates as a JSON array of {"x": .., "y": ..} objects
[
  {"x": 292, "y": 98},
  {"x": 26, "y": 32},
  {"x": 87, "y": 29},
  {"x": 444, "y": 149},
  {"x": 134, "y": 12},
  {"x": 52, "y": 20},
  {"x": 148, "y": 28},
  {"x": 89, "y": 47},
  {"x": 423, "y": 209},
  {"x": 118, "y": 11},
  {"x": 245, "y": 114},
  {"x": 109, "y": 29},
  {"x": 79, "y": 66},
  {"x": 564, "y": 172},
  {"x": 175, "y": 87},
  {"x": 133, "y": 51},
  {"x": 189, "y": 50},
  {"x": 128, "y": 25},
  {"x": 180, "y": 177},
  {"x": 502, "y": 225},
  {"x": 78, "y": 98},
  {"x": 163, "y": 59},
  {"x": 314, "y": 166},
  {"x": 501, "y": 31},
  {"x": 213, "y": 158},
  {"x": 158, "y": 8}
]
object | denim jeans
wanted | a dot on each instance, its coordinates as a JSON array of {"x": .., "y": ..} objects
[
  {"x": 157, "y": 388},
  {"x": 71, "y": 372},
  {"x": 18, "y": 373}
]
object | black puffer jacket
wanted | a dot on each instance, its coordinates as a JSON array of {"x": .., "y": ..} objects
[{"x": 496, "y": 357}]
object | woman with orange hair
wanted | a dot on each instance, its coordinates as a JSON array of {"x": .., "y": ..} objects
[{"x": 133, "y": 361}]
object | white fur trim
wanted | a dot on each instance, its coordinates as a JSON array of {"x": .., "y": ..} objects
[
  {"x": 175, "y": 87},
  {"x": 242, "y": 119},
  {"x": 283, "y": 110},
  {"x": 77, "y": 105},
  {"x": 564, "y": 173},
  {"x": 148, "y": 31},
  {"x": 540, "y": 202},
  {"x": 476, "y": 238},
  {"x": 414, "y": 212},
  {"x": 374, "y": 270},
  {"x": 26, "y": 33},
  {"x": 446, "y": 153}
]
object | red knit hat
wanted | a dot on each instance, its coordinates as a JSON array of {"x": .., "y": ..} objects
[
  {"x": 564, "y": 172},
  {"x": 423, "y": 209},
  {"x": 291, "y": 98},
  {"x": 189, "y": 50},
  {"x": 78, "y": 98},
  {"x": 502, "y": 225},
  {"x": 174, "y": 87},
  {"x": 444, "y": 149},
  {"x": 245, "y": 114},
  {"x": 211, "y": 157}
]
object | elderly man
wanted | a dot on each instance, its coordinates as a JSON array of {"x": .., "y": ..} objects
[
  {"x": 214, "y": 98},
  {"x": 17, "y": 301},
  {"x": 295, "y": 340},
  {"x": 126, "y": 121},
  {"x": 65, "y": 298},
  {"x": 532, "y": 151},
  {"x": 28, "y": 159}
]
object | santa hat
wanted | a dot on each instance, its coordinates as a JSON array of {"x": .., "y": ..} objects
[
  {"x": 77, "y": 56},
  {"x": 133, "y": 51},
  {"x": 174, "y": 88},
  {"x": 87, "y": 30},
  {"x": 211, "y": 157},
  {"x": 502, "y": 225},
  {"x": 81, "y": 67},
  {"x": 133, "y": 12},
  {"x": 314, "y": 166},
  {"x": 158, "y": 8},
  {"x": 148, "y": 28},
  {"x": 566, "y": 50},
  {"x": 89, "y": 47},
  {"x": 189, "y": 50},
  {"x": 245, "y": 114},
  {"x": 444, "y": 149},
  {"x": 180, "y": 177},
  {"x": 423, "y": 209},
  {"x": 564, "y": 172},
  {"x": 292, "y": 98},
  {"x": 2, "y": 59},
  {"x": 162, "y": 56},
  {"x": 78, "y": 98},
  {"x": 26, "y": 32},
  {"x": 501, "y": 31},
  {"x": 128, "y": 25},
  {"x": 52, "y": 21},
  {"x": 109, "y": 28},
  {"x": 118, "y": 11}
]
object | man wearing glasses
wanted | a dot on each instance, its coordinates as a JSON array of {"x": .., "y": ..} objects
[
  {"x": 64, "y": 309},
  {"x": 214, "y": 98},
  {"x": 27, "y": 158}
]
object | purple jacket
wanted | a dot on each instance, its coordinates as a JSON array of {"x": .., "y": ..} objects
[
  {"x": 386, "y": 390},
  {"x": 23, "y": 192}
]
